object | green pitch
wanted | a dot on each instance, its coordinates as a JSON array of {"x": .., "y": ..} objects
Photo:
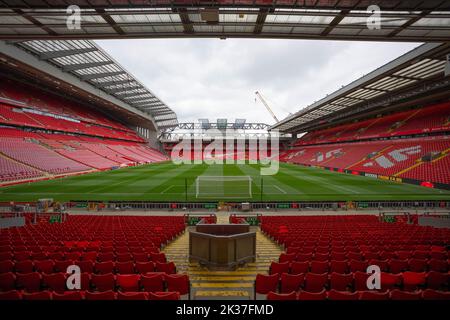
[{"x": 170, "y": 182}]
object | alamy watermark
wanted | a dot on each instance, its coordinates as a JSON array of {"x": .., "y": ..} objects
[{"x": 224, "y": 147}]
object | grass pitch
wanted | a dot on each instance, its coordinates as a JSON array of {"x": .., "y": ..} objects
[{"x": 169, "y": 182}]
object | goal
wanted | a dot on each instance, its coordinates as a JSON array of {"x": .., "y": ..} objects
[{"x": 223, "y": 187}]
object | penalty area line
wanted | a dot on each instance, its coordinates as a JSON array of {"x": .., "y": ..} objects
[
  {"x": 282, "y": 191},
  {"x": 166, "y": 189}
]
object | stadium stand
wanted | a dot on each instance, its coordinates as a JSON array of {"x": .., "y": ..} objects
[
  {"x": 326, "y": 258},
  {"x": 111, "y": 252},
  {"x": 76, "y": 139},
  {"x": 407, "y": 156}
]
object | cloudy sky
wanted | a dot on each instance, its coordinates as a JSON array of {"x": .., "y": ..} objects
[{"x": 212, "y": 78}]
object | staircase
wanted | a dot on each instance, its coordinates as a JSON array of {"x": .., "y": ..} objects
[{"x": 236, "y": 284}]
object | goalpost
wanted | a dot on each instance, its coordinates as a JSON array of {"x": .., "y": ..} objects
[{"x": 223, "y": 187}]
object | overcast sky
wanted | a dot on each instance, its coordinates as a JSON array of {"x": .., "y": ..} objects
[{"x": 212, "y": 78}]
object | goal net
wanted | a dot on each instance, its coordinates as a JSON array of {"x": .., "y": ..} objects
[{"x": 223, "y": 187}]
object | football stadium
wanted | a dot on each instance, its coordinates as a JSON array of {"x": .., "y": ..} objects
[{"x": 109, "y": 193}]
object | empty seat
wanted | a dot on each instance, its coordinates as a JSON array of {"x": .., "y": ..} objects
[
  {"x": 373, "y": 295},
  {"x": 338, "y": 266},
  {"x": 30, "y": 282},
  {"x": 45, "y": 266},
  {"x": 305, "y": 295},
  {"x": 7, "y": 281},
  {"x": 153, "y": 282},
  {"x": 319, "y": 266},
  {"x": 6, "y": 266},
  {"x": 104, "y": 267},
  {"x": 69, "y": 295},
  {"x": 128, "y": 282},
  {"x": 279, "y": 268},
  {"x": 266, "y": 283},
  {"x": 413, "y": 280},
  {"x": 25, "y": 266},
  {"x": 341, "y": 282},
  {"x": 179, "y": 283},
  {"x": 315, "y": 282},
  {"x": 417, "y": 265},
  {"x": 42, "y": 295},
  {"x": 106, "y": 295},
  {"x": 299, "y": 267},
  {"x": 291, "y": 282},
  {"x": 342, "y": 295},
  {"x": 405, "y": 295},
  {"x": 282, "y": 296},
  {"x": 437, "y": 280},
  {"x": 163, "y": 296},
  {"x": 168, "y": 267},
  {"x": 144, "y": 267},
  {"x": 431, "y": 294},
  {"x": 103, "y": 282},
  {"x": 132, "y": 296},
  {"x": 125, "y": 267},
  {"x": 55, "y": 282},
  {"x": 10, "y": 295}
]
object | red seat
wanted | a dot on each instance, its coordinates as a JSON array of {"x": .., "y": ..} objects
[
  {"x": 304, "y": 257},
  {"x": 86, "y": 265},
  {"x": 338, "y": 256},
  {"x": 287, "y": 257},
  {"x": 68, "y": 295},
  {"x": 438, "y": 265},
  {"x": 104, "y": 267},
  {"x": 128, "y": 282},
  {"x": 266, "y": 283},
  {"x": 321, "y": 256},
  {"x": 140, "y": 257},
  {"x": 431, "y": 294},
  {"x": 279, "y": 268},
  {"x": 356, "y": 265},
  {"x": 105, "y": 256},
  {"x": 299, "y": 267},
  {"x": 417, "y": 265},
  {"x": 30, "y": 282},
  {"x": 7, "y": 281},
  {"x": 398, "y": 266},
  {"x": 125, "y": 267},
  {"x": 163, "y": 296},
  {"x": 89, "y": 256},
  {"x": 390, "y": 281},
  {"x": 132, "y": 296},
  {"x": 144, "y": 267},
  {"x": 413, "y": 280},
  {"x": 405, "y": 295},
  {"x": 42, "y": 295},
  {"x": 179, "y": 283},
  {"x": 360, "y": 280},
  {"x": 437, "y": 280},
  {"x": 338, "y": 266},
  {"x": 153, "y": 282},
  {"x": 103, "y": 282},
  {"x": 168, "y": 267},
  {"x": 10, "y": 295},
  {"x": 305, "y": 295},
  {"x": 315, "y": 282},
  {"x": 45, "y": 266},
  {"x": 107, "y": 295},
  {"x": 342, "y": 295},
  {"x": 55, "y": 282},
  {"x": 383, "y": 264},
  {"x": 24, "y": 266},
  {"x": 73, "y": 256},
  {"x": 291, "y": 282},
  {"x": 62, "y": 265},
  {"x": 319, "y": 266},
  {"x": 6, "y": 266},
  {"x": 22, "y": 255},
  {"x": 373, "y": 295},
  {"x": 124, "y": 257},
  {"x": 341, "y": 282},
  {"x": 158, "y": 257},
  {"x": 282, "y": 296}
]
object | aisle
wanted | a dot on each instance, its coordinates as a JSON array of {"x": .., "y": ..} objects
[{"x": 237, "y": 284}]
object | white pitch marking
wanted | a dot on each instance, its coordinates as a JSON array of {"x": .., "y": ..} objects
[
  {"x": 280, "y": 189},
  {"x": 167, "y": 189}
]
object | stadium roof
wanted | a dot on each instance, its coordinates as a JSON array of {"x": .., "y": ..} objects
[
  {"x": 89, "y": 63},
  {"x": 420, "y": 70},
  {"x": 414, "y": 20}
]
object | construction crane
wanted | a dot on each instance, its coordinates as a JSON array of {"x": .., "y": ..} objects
[{"x": 266, "y": 105}]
